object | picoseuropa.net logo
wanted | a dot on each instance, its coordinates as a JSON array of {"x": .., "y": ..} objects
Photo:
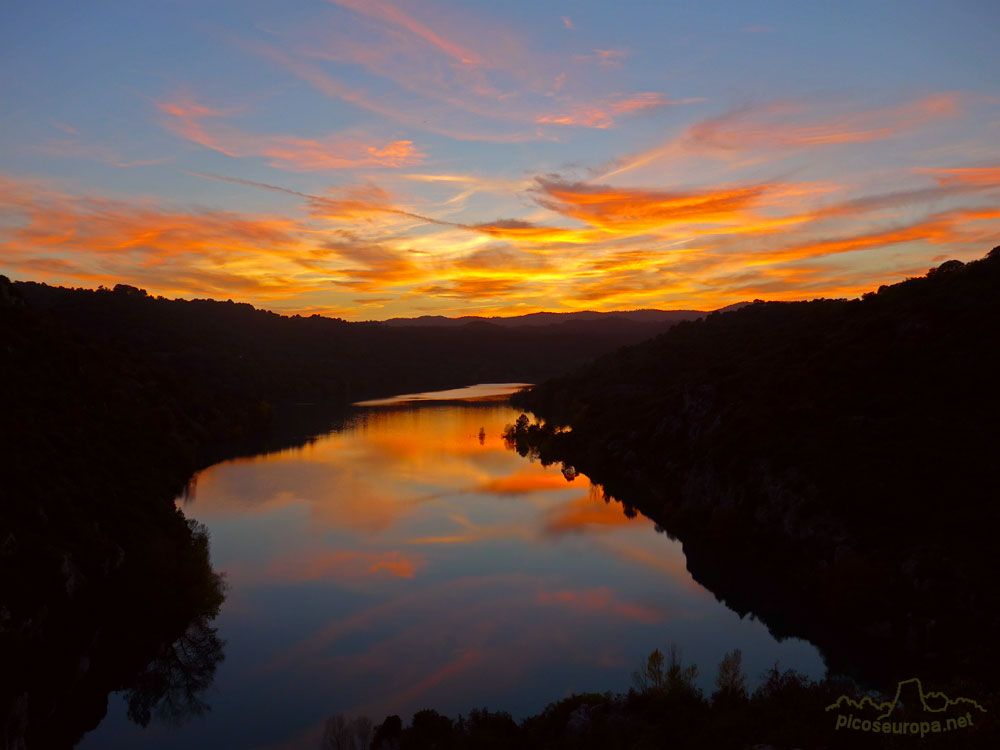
[{"x": 910, "y": 711}]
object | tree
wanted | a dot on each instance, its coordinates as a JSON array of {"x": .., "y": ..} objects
[
  {"x": 650, "y": 675},
  {"x": 730, "y": 682},
  {"x": 361, "y": 728},
  {"x": 680, "y": 679},
  {"x": 429, "y": 729},
  {"x": 667, "y": 674},
  {"x": 388, "y": 733},
  {"x": 336, "y": 734}
]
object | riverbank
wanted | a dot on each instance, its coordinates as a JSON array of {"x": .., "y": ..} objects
[
  {"x": 113, "y": 400},
  {"x": 828, "y": 465},
  {"x": 665, "y": 709}
]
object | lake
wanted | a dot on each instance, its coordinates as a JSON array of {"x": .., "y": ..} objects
[{"x": 409, "y": 560}]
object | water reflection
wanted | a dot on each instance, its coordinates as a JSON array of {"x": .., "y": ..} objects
[
  {"x": 411, "y": 561},
  {"x": 480, "y": 392},
  {"x": 145, "y": 629}
]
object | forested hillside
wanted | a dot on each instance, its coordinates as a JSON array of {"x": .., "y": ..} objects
[
  {"x": 239, "y": 352},
  {"x": 111, "y": 400},
  {"x": 843, "y": 453}
]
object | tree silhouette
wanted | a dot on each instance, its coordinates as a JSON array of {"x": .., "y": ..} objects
[
  {"x": 336, "y": 735},
  {"x": 362, "y": 728},
  {"x": 667, "y": 674},
  {"x": 388, "y": 734},
  {"x": 172, "y": 684},
  {"x": 650, "y": 675},
  {"x": 730, "y": 682}
]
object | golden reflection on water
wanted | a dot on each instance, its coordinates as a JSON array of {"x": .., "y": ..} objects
[
  {"x": 412, "y": 560},
  {"x": 374, "y": 497}
]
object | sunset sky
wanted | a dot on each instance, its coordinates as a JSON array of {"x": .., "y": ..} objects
[{"x": 405, "y": 157}]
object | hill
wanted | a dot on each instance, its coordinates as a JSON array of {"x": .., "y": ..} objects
[
  {"x": 241, "y": 352},
  {"x": 829, "y": 465},
  {"x": 112, "y": 399},
  {"x": 550, "y": 318}
]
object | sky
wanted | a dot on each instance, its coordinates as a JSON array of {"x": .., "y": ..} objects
[{"x": 384, "y": 158}]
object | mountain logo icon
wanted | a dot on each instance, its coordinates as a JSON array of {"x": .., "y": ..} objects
[{"x": 911, "y": 710}]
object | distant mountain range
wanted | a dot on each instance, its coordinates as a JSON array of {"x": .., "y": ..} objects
[
  {"x": 552, "y": 318},
  {"x": 233, "y": 353}
]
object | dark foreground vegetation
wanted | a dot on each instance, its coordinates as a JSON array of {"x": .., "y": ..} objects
[
  {"x": 830, "y": 466},
  {"x": 111, "y": 400},
  {"x": 666, "y": 709}
]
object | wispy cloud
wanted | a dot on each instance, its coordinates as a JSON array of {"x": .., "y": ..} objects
[
  {"x": 343, "y": 564},
  {"x": 74, "y": 148},
  {"x": 787, "y": 126},
  {"x": 431, "y": 118},
  {"x": 602, "y": 600},
  {"x": 585, "y": 513},
  {"x": 191, "y": 120},
  {"x": 794, "y": 124},
  {"x": 65, "y": 127},
  {"x": 602, "y": 114},
  {"x": 393, "y": 15},
  {"x": 604, "y": 58},
  {"x": 979, "y": 176},
  {"x": 460, "y": 75},
  {"x": 575, "y": 245},
  {"x": 66, "y": 238},
  {"x": 637, "y": 210}
]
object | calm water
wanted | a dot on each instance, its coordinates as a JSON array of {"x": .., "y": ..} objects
[{"x": 411, "y": 561}]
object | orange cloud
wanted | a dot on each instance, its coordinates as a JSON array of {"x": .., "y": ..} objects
[
  {"x": 346, "y": 204},
  {"x": 431, "y": 117},
  {"x": 601, "y": 114},
  {"x": 602, "y": 599},
  {"x": 187, "y": 118},
  {"x": 602, "y": 246},
  {"x": 943, "y": 228},
  {"x": 670, "y": 562},
  {"x": 636, "y": 210},
  {"x": 390, "y": 14},
  {"x": 338, "y": 153},
  {"x": 514, "y": 229},
  {"x": 345, "y": 565},
  {"x": 792, "y": 125},
  {"x": 67, "y": 239},
  {"x": 483, "y": 59},
  {"x": 775, "y": 126},
  {"x": 373, "y": 267},
  {"x": 488, "y": 86},
  {"x": 471, "y": 289},
  {"x": 524, "y": 482},
  {"x": 583, "y": 514},
  {"x": 75, "y": 149},
  {"x": 357, "y": 203},
  {"x": 978, "y": 176}
]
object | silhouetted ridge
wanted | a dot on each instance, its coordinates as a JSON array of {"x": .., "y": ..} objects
[
  {"x": 240, "y": 353},
  {"x": 829, "y": 465},
  {"x": 552, "y": 318},
  {"x": 112, "y": 399}
]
